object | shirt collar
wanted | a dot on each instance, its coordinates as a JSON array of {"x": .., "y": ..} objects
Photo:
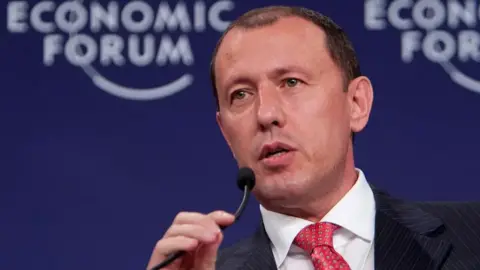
[{"x": 355, "y": 212}]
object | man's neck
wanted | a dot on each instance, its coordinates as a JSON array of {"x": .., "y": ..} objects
[{"x": 314, "y": 208}]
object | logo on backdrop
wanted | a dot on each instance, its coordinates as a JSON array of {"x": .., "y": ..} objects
[
  {"x": 144, "y": 41},
  {"x": 450, "y": 32}
]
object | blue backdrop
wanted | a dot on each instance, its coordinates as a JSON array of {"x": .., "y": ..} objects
[{"x": 108, "y": 122}]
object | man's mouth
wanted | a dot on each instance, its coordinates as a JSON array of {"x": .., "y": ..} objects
[{"x": 274, "y": 149}]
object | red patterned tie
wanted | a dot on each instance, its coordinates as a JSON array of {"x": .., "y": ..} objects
[{"x": 317, "y": 240}]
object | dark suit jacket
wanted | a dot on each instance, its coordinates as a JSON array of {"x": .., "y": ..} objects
[{"x": 408, "y": 236}]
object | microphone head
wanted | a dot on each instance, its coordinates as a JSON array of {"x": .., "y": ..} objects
[{"x": 245, "y": 177}]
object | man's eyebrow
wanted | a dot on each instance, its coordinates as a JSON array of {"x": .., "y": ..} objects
[
  {"x": 237, "y": 79},
  {"x": 280, "y": 71},
  {"x": 274, "y": 73}
]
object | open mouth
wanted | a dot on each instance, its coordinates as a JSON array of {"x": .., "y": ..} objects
[
  {"x": 276, "y": 152},
  {"x": 273, "y": 150}
]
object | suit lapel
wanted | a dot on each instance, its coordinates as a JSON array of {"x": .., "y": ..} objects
[
  {"x": 405, "y": 236},
  {"x": 260, "y": 256}
]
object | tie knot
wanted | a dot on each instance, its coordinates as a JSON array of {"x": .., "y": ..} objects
[{"x": 316, "y": 235}]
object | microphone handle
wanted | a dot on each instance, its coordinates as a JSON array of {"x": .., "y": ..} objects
[{"x": 172, "y": 257}]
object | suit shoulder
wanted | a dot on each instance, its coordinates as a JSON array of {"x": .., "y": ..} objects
[
  {"x": 466, "y": 206},
  {"x": 451, "y": 211},
  {"x": 460, "y": 227}
]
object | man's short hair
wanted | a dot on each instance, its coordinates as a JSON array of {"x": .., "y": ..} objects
[{"x": 338, "y": 44}]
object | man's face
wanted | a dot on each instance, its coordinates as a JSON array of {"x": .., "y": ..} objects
[{"x": 283, "y": 108}]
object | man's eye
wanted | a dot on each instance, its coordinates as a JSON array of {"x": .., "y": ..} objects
[
  {"x": 239, "y": 94},
  {"x": 291, "y": 82}
]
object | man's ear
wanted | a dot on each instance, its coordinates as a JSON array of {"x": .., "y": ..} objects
[
  {"x": 360, "y": 91},
  {"x": 218, "y": 117}
]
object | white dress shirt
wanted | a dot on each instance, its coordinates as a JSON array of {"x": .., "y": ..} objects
[{"x": 355, "y": 213}]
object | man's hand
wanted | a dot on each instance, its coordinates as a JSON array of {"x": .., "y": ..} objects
[{"x": 197, "y": 234}]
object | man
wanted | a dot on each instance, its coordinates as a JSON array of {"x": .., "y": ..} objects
[{"x": 290, "y": 96}]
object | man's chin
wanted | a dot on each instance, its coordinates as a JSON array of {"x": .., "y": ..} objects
[
  {"x": 275, "y": 174},
  {"x": 279, "y": 193}
]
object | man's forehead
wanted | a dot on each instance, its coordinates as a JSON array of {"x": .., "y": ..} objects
[{"x": 298, "y": 29}]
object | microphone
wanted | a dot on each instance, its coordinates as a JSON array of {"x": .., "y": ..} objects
[{"x": 245, "y": 182}]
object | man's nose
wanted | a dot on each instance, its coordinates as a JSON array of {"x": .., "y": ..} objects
[{"x": 270, "y": 111}]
